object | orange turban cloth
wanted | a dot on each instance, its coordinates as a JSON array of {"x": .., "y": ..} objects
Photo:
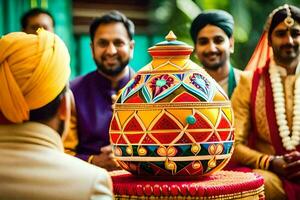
[{"x": 34, "y": 69}]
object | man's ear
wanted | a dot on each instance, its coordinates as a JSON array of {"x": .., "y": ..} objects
[
  {"x": 231, "y": 43},
  {"x": 64, "y": 109},
  {"x": 131, "y": 46},
  {"x": 92, "y": 49}
]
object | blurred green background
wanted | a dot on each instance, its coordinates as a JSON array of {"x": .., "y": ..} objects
[{"x": 153, "y": 19}]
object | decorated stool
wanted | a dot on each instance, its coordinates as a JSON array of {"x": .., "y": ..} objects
[{"x": 220, "y": 185}]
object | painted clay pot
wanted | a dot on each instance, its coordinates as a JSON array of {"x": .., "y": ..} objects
[{"x": 172, "y": 118}]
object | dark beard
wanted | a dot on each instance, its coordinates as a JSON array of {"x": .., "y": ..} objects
[
  {"x": 214, "y": 67},
  {"x": 111, "y": 72},
  {"x": 286, "y": 59}
]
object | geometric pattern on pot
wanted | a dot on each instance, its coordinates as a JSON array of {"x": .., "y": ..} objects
[
  {"x": 199, "y": 85},
  {"x": 165, "y": 127}
]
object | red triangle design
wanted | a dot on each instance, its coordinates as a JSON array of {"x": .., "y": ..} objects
[
  {"x": 134, "y": 138},
  {"x": 165, "y": 138},
  {"x": 189, "y": 170},
  {"x": 134, "y": 99},
  {"x": 159, "y": 171},
  {"x": 201, "y": 123},
  {"x": 185, "y": 97},
  {"x": 122, "y": 140},
  {"x": 148, "y": 140},
  {"x": 200, "y": 136},
  {"x": 133, "y": 125},
  {"x": 213, "y": 138},
  {"x": 224, "y": 135},
  {"x": 165, "y": 123},
  {"x": 184, "y": 139},
  {"x": 114, "y": 125},
  {"x": 114, "y": 137},
  {"x": 223, "y": 123}
]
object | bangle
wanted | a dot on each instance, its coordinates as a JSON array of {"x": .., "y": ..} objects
[{"x": 90, "y": 159}]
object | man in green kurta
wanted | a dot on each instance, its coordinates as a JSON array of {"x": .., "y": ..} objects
[{"x": 212, "y": 33}]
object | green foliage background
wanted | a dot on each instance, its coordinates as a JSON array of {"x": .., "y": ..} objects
[{"x": 249, "y": 17}]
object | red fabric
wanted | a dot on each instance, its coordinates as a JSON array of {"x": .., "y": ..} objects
[
  {"x": 219, "y": 183},
  {"x": 255, "y": 83},
  {"x": 291, "y": 189},
  {"x": 270, "y": 110},
  {"x": 271, "y": 116}
]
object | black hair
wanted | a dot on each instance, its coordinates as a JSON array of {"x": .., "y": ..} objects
[
  {"x": 110, "y": 17},
  {"x": 219, "y": 18},
  {"x": 48, "y": 111},
  {"x": 32, "y": 13},
  {"x": 280, "y": 15}
]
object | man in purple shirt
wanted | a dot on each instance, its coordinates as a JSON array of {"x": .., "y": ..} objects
[{"x": 112, "y": 47}]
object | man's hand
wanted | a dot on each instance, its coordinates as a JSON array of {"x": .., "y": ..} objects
[
  {"x": 278, "y": 166},
  {"x": 293, "y": 165},
  {"x": 106, "y": 159}
]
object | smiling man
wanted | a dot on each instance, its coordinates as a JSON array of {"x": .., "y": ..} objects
[
  {"x": 112, "y": 47},
  {"x": 212, "y": 33},
  {"x": 267, "y": 108}
]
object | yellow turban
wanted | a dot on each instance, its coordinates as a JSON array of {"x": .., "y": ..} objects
[{"x": 34, "y": 69}]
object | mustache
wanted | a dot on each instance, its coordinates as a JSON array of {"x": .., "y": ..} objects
[
  {"x": 288, "y": 46},
  {"x": 105, "y": 57},
  {"x": 211, "y": 53}
]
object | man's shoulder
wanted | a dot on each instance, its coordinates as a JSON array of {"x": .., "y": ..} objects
[
  {"x": 246, "y": 76},
  {"x": 76, "y": 165},
  {"x": 82, "y": 80},
  {"x": 94, "y": 178},
  {"x": 83, "y": 77}
]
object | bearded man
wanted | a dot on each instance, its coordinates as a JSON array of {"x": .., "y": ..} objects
[
  {"x": 266, "y": 105},
  {"x": 112, "y": 47}
]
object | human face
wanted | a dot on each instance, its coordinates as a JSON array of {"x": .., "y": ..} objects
[
  {"x": 213, "y": 47},
  {"x": 285, "y": 43},
  {"x": 39, "y": 21},
  {"x": 112, "y": 48}
]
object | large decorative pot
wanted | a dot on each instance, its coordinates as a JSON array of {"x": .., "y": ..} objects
[{"x": 172, "y": 118}]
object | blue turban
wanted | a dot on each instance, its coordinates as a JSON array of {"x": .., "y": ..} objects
[{"x": 219, "y": 18}]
